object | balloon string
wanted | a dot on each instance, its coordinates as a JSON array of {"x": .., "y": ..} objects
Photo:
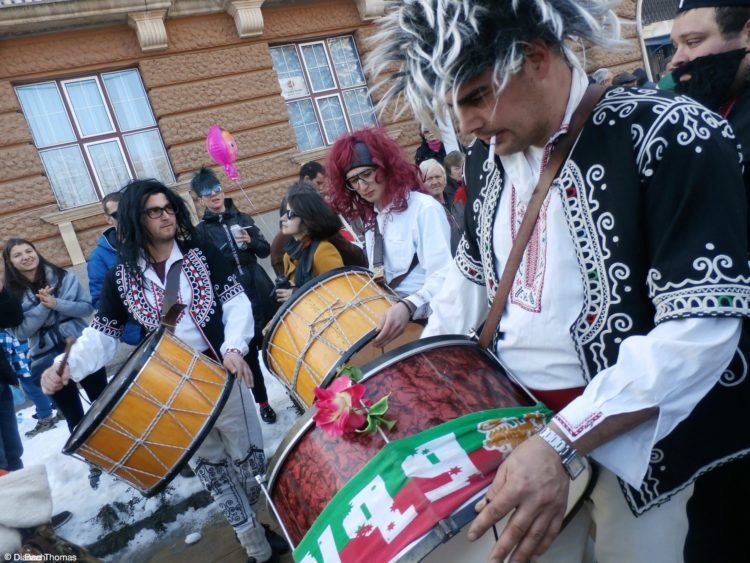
[{"x": 255, "y": 210}]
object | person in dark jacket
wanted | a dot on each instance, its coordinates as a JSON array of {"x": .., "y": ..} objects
[
  {"x": 241, "y": 243},
  {"x": 103, "y": 258},
  {"x": 432, "y": 147},
  {"x": 454, "y": 170},
  {"x": 711, "y": 65},
  {"x": 11, "y": 448}
]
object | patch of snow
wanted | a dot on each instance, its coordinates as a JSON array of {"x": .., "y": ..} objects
[{"x": 195, "y": 537}]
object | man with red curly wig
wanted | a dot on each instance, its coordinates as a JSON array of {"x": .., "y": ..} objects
[{"x": 407, "y": 236}]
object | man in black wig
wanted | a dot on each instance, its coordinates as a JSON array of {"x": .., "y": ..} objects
[
  {"x": 154, "y": 233},
  {"x": 625, "y": 315}
]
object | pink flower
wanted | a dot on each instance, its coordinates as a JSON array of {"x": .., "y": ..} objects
[{"x": 337, "y": 407}]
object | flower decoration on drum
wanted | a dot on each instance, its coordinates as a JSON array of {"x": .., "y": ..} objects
[
  {"x": 336, "y": 407},
  {"x": 342, "y": 408}
]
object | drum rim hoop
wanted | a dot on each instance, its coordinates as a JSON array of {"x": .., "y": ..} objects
[
  {"x": 301, "y": 292},
  {"x": 150, "y": 344},
  {"x": 301, "y": 426}
]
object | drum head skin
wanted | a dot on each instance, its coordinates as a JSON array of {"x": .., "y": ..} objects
[
  {"x": 115, "y": 389},
  {"x": 196, "y": 387},
  {"x": 329, "y": 322}
]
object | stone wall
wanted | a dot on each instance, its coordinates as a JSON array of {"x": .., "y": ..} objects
[
  {"x": 628, "y": 56},
  {"x": 208, "y": 75}
]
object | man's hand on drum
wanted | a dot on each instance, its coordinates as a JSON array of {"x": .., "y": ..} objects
[
  {"x": 392, "y": 324},
  {"x": 533, "y": 485},
  {"x": 51, "y": 382},
  {"x": 237, "y": 366}
]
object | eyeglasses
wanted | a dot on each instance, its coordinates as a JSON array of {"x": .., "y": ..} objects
[
  {"x": 366, "y": 177},
  {"x": 157, "y": 212},
  {"x": 289, "y": 214},
  {"x": 208, "y": 192}
]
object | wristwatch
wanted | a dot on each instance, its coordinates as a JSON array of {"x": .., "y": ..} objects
[{"x": 572, "y": 461}]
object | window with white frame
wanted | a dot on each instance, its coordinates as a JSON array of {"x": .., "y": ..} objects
[
  {"x": 94, "y": 134},
  {"x": 324, "y": 88}
]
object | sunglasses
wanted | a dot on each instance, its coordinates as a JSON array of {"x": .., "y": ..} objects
[
  {"x": 289, "y": 214},
  {"x": 208, "y": 192},
  {"x": 115, "y": 215},
  {"x": 157, "y": 212},
  {"x": 366, "y": 177}
]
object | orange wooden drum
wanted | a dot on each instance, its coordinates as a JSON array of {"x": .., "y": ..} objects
[
  {"x": 330, "y": 321},
  {"x": 153, "y": 415}
]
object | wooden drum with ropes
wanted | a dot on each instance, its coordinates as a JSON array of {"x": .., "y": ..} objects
[
  {"x": 154, "y": 413},
  {"x": 329, "y": 321}
]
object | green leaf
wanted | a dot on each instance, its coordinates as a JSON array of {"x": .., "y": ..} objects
[
  {"x": 371, "y": 426},
  {"x": 389, "y": 424},
  {"x": 380, "y": 407},
  {"x": 352, "y": 372}
]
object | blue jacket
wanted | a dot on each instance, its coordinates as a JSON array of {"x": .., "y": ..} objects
[{"x": 102, "y": 259}]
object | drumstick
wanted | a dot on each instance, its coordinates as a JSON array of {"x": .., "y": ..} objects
[{"x": 68, "y": 345}]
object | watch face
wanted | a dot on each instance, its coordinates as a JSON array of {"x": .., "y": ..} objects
[{"x": 575, "y": 466}]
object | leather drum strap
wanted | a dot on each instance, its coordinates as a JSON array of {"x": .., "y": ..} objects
[
  {"x": 171, "y": 309},
  {"x": 559, "y": 155}
]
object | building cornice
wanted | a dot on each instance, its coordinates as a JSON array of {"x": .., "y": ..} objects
[{"x": 370, "y": 9}]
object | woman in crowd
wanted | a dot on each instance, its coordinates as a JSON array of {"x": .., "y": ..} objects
[
  {"x": 435, "y": 181},
  {"x": 310, "y": 222},
  {"x": 55, "y": 307}
]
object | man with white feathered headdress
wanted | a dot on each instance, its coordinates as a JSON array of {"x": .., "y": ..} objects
[{"x": 626, "y": 313}]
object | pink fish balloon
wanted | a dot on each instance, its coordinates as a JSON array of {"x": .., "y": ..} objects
[{"x": 222, "y": 148}]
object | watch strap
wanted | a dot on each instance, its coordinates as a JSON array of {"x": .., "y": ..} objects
[{"x": 572, "y": 461}]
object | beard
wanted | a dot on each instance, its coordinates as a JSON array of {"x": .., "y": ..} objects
[{"x": 711, "y": 78}]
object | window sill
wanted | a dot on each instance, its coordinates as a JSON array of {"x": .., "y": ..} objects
[{"x": 64, "y": 221}]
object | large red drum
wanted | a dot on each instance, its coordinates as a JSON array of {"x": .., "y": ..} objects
[{"x": 430, "y": 381}]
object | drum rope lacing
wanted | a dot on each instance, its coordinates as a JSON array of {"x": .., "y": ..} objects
[
  {"x": 139, "y": 391},
  {"x": 334, "y": 309}
]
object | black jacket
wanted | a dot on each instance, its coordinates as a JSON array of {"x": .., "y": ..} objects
[
  {"x": 424, "y": 152},
  {"x": 215, "y": 228},
  {"x": 11, "y": 315},
  {"x": 739, "y": 119}
]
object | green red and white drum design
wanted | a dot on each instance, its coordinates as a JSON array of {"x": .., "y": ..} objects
[{"x": 387, "y": 496}]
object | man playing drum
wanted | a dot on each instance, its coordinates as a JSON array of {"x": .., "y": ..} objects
[
  {"x": 407, "y": 236},
  {"x": 154, "y": 233},
  {"x": 625, "y": 314}
]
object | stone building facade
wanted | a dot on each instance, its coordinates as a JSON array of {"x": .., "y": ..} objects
[{"x": 200, "y": 63}]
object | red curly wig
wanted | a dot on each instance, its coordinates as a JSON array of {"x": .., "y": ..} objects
[{"x": 399, "y": 174}]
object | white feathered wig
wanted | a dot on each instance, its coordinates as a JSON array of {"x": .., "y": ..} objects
[{"x": 427, "y": 48}]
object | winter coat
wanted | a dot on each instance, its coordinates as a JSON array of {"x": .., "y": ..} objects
[
  {"x": 11, "y": 315},
  {"x": 424, "y": 152},
  {"x": 325, "y": 257},
  {"x": 101, "y": 260},
  {"x": 215, "y": 228},
  {"x": 46, "y": 329}
]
